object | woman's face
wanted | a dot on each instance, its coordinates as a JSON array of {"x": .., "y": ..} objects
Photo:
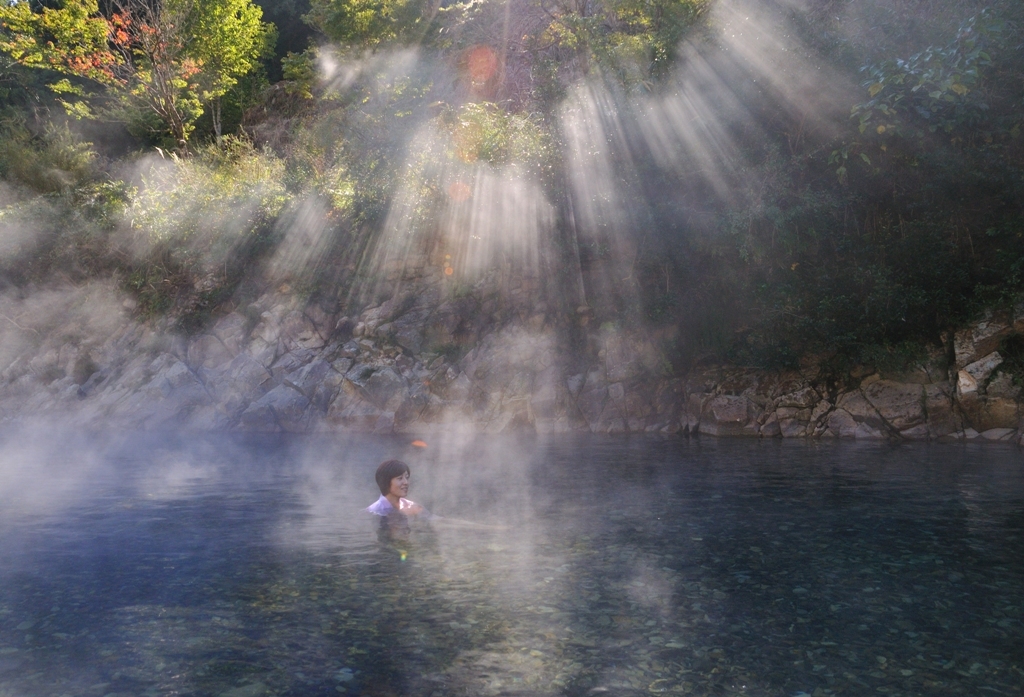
[{"x": 400, "y": 485}]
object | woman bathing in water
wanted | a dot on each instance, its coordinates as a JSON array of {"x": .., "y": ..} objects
[
  {"x": 396, "y": 511},
  {"x": 393, "y": 481}
]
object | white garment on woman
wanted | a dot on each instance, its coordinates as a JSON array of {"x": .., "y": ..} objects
[{"x": 383, "y": 507}]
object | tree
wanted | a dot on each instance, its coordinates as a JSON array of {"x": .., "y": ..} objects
[
  {"x": 371, "y": 22},
  {"x": 228, "y": 38},
  {"x": 162, "y": 58}
]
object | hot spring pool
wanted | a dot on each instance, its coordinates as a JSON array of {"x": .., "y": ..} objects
[{"x": 242, "y": 566}]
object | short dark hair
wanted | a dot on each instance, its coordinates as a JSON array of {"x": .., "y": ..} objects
[{"x": 388, "y": 470}]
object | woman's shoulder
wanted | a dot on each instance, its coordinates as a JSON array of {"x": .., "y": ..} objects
[{"x": 380, "y": 507}]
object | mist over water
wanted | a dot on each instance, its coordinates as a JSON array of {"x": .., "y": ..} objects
[
  {"x": 244, "y": 565},
  {"x": 152, "y": 564}
]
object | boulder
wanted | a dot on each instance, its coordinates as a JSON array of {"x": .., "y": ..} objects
[
  {"x": 900, "y": 404},
  {"x": 283, "y": 408},
  {"x": 999, "y": 434},
  {"x": 459, "y": 388},
  {"x": 636, "y": 410},
  {"x": 965, "y": 383},
  {"x": 231, "y": 330},
  {"x": 770, "y": 428},
  {"x": 981, "y": 339},
  {"x": 726, "y": 415},
  {"x": 793, "y": 421},
  {"x": 842, "y": 424},
  {"x": 298, "y": 331},
  {"x": 869, "y": 423},
  {"x": 802, "y": 399},
  {"x": 208, "y": 351},
  {"x": 919, "y": 432},
  {"x": 943, "y": 418},
  {"x": 307, "y": 378},
  {"x": 383, "y": 386},
  {"x": 574, "y": 383},
  {"x": 264, "y": 351},
  {"x": 591, "y": 403},
  {"x": 1001, "y": 384},
  {"x": 238, "y": 383},
  {"x": 610, "y": 420},
  {"x": 407, "y": 330},
  {"x": 352, "y": 412},
  {"x": 981, "y": 369},
  {"x": 690, "y": 418},
  {"x": 985, "y": 413}
]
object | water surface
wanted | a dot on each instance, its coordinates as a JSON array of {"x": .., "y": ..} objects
[{"x": 242, "y": 566}]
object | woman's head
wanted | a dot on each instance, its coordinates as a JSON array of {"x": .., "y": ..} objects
[{"x": 388, "y": 470}]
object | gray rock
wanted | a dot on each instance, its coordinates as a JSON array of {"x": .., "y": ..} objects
[
  {"x": 870, "y": 423},
  {"x": 793, "y": 421},
  {"x": 943, "y": 418},
  {"x": 770, "y": 428},
  {"x": 458, "y": 389},
  {"x": 802, "y": 399},
  {"x": 575, "y": 383},
  {"x": 842, "y": 424},
  {"x": 901, "y": 405},
  {"x": 407, "y": 330},
  {"x": 919, "y": 432},
  {"x": 985, "y": 413},
  {"x": 981, "y": 369},
  {"x": 726, "y": 415},
  {"x": 230, "y": 329},
  {"x": 690, "y": 418},
  {"x": 298, "y": 331},
  {"x": 385, "y": 423},
  {"x": 383, "y": 386},
  {"x": 208, "y": 351},
  {"x": 610, "y": 420},
  {"x": 291, "y": 361},
  {"x": 283, "y": 408},
  {"x": 981, "y": 339},
  {"x": 307, "y": 378},
  {"x": 263, "y": 351},
  {"x": 351, "y": 412},
  {"x": 591, "y": 403},
  {"x": 1001, "y": 385}
]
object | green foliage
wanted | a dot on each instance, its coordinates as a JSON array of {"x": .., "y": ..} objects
[
  {"x": 198, "y": 222},
  {"x": 634, "y": 40},
  {"x": 937, "y": 89},
  {"x": 153, "y": 60},
  {"x": 369, "y": 22},
  {"x": 299, "y": 71},
  {"x": 485, "y": 132},
  {"x": 55, "y": 161}
]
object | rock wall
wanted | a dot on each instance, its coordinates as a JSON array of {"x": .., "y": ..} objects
[{"x": 422, "y": 361}]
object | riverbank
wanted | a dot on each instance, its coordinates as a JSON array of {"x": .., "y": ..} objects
[{"x": 426, "y": 359}]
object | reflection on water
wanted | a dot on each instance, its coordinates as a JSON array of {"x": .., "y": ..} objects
[{"x": 244, "y": 567}]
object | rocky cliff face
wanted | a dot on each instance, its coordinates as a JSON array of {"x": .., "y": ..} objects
[{"x": 421, "y": 361}]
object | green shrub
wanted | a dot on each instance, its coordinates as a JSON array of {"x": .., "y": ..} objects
[
  {"x": 199, "y": 223},
  {"x": 55, "y": 161}
]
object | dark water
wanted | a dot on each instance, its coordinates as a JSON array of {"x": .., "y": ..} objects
[{"x": 242, "y": 567}]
